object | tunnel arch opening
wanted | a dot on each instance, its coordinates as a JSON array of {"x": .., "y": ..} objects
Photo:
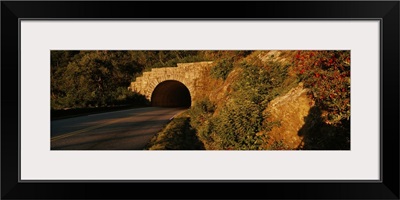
[{"x": 171, "y": 93}]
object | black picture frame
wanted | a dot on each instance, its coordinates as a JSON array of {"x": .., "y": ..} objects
[{"x": 386, "y": 11}]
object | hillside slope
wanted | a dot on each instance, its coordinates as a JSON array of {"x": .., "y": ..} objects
[{"x": 275, "y": 100}]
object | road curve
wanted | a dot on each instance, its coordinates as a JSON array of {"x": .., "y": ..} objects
[{"x": 120, "y": 130}]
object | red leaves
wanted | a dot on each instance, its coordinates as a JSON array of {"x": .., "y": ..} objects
[{"x": 326, "y": 73}]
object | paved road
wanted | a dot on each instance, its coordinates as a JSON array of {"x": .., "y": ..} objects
[{"x": 120, "y": 130}]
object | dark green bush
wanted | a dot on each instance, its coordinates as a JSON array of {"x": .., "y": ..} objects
[
  {"x": 127, "y": 97},
  {"x": 201, "y": 111}
]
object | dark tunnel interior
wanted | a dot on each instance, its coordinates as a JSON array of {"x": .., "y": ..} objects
[{"x": 171, "y": 94}]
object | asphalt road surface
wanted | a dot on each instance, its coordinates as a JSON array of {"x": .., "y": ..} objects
[{"x": 120, "y": 130}]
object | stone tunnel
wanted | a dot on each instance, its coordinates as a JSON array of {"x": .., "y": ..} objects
[
  {"x": 171, "y": 86},
  {"x": 171, "y": 94}
]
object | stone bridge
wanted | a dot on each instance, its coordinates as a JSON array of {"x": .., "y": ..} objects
[{"x": 171, "y": 86}]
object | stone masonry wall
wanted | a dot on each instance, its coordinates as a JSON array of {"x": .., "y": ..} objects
[{"x": 186, "y": 73}]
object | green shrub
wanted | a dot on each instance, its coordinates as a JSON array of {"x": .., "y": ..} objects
[
  {"x": 133, "y": 98},
  {"x": 278, "y": 145},
  {"x": 201, "y": 111},
  {"x": 200, "y": 114},
  {"x": 241, "y": 123},
  {"x": 237, "y": 125},
  {"x": 222, "y": 68}
]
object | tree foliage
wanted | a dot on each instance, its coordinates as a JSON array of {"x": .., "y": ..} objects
[{"x": 81, "y": 79}]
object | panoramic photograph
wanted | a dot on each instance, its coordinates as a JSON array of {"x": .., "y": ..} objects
[{"x": 200, "y": 100}]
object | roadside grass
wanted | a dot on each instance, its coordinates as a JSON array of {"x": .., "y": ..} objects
[{"x": 177, "y": 135}]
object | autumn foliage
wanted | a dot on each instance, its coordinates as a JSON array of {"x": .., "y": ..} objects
[{"x": 327, "y": 75}]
